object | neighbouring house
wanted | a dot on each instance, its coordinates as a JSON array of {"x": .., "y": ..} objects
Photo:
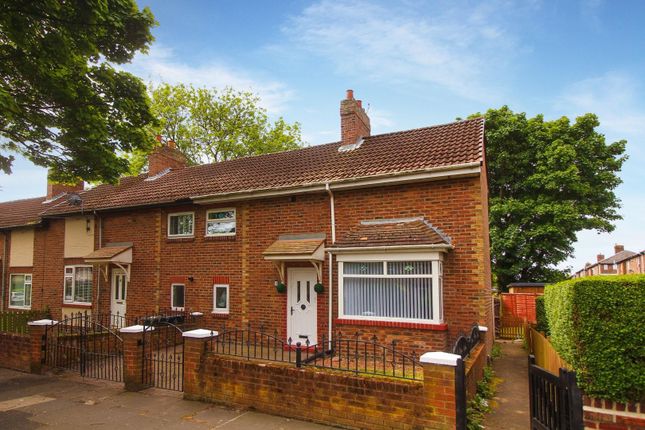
[
  {"x": 382, "y": 235},
  {"x": 623, "y": 262}
]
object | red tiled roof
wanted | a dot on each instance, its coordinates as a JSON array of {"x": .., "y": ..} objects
[
  {"x": 21, "y": 212},
  {"x": 395, "y": 232},
  {"x": 106, "y": 252},
  {"x": 408, "y": 151}
]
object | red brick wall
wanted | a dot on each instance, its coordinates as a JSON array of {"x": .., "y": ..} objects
[
  {"x": 605, "y": 414},
  {"x": 15, "y": 351},
  {"x": 453, "y": 205},
  {"x": 474, "y": 365}
]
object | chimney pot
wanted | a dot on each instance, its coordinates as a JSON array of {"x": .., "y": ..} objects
[
  {"x": 350, "y": 94},
  {"x": 171, "y": 144},
  {"x": 618, "y": 248},
  {"x": 600, "y": 257}
]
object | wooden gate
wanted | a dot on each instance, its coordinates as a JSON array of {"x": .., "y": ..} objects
[
  {"x": 555, "y": 400},
  {"x": 81, "y": 344},
  {"x": 163, "y": 356}
]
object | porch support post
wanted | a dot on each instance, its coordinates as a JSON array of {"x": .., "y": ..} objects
[
  {"x": 37, "y": 331},
  {"x": 133, "y": 365},
  {"x": 440, "y": 386},
  {"x": 195, "y": 346}
]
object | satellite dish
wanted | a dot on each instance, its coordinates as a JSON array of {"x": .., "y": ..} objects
[{"x": 74, "y": 199}]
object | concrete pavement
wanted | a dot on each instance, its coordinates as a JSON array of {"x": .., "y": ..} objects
[{"x": 70, "y": 402}]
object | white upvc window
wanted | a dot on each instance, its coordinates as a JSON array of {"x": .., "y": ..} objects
[
  {"x": 78, "y": 285},
  {"x": 20, "y": 291},
  {"x": 181, "y": 224},
  {"x": 401, "y": 287},
  {"x": 220, "y": 299},
  {"x": 220, "y": 222},
  {"x": 178, "y": 297}
]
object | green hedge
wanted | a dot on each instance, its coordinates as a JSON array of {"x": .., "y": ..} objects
[
  {"x": 542, "y": 323},
  {"x": 596, "y": 325}
]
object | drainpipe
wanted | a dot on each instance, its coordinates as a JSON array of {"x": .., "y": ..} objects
[
  {"x": 98, "y": 279},
  {"x": 331, "y": 271},
  {"x": 4, "y": 265}
]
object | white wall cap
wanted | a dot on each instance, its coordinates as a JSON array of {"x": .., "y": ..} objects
[
  {"x": 443, "y": 358},
  {"x": 483, "y": 328},
  {"x": 197, "y": 314},
  {"x": 136, "y": 329},
  {"x": 200, "y": 333},
  {"x": 42, "y": 322}
]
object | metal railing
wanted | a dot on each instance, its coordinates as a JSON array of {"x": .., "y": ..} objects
[
  {"x": 464, "y": 344},
  {"x": 251, "y": 344}
]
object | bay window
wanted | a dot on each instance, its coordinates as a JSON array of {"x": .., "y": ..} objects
[
  {"x": 78, "y": 284},
  {"x": 397, "y": 287}
]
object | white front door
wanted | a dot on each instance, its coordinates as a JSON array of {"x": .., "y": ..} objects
[
  {"x": 119, "y": 292},
  {"x": 301, "y": 306}
]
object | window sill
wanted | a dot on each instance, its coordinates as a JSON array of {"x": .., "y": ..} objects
[
  {"x": 220, "y": 314},
  {"x": 225, "y": 238},
  {"x": 77, "y": 305},
  {"x": 180, "y": 239},
  {"x": 22, "y": 308},
  {"x": 394, "y": 324}
]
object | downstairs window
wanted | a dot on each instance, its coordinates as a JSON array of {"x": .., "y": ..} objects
[{"x": 391, "y": 289}]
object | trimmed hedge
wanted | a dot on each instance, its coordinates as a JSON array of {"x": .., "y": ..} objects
[
  {"x": 596, "y": 325},
  {"x": 542, "y": 323}
]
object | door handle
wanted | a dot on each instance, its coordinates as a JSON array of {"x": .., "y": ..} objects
[{"x": 291, "y": 310}]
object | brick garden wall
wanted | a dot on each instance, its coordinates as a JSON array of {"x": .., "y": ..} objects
[
  {"x": 474, "y": 365},
  {"x": 609, "y": 415},
  {"x": 15, "y": 351}
]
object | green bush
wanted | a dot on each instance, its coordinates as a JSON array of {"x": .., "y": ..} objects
[
  {"x": 540, "y": 315},
  {"x": 596, "y": 325}
]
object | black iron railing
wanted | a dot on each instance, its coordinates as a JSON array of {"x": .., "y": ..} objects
[
  {"x": 464, "y": 344},
  {"x": 252, "y": 344}
]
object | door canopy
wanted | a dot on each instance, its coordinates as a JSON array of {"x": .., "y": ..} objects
[{"x": 297, "y": 248}]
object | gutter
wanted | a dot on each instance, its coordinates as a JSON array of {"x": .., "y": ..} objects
[
  {"x": 438, "y": 247},
  {"x": 4, "y": 266}
]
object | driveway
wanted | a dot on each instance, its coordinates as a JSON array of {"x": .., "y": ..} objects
[{"x": 67, "y": 401}]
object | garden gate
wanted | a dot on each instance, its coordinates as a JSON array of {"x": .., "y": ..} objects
[
  {"x": 82, "y": 344},
  {"x": 555, "y": 400},
  {"x": 163, "y": 356}
]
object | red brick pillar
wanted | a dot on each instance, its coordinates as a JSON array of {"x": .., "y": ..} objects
[
  {"x": 133, "y": 357},
  {"x": 195, "y": 345},
  {"x": 440, "y": 389},
  {"x": 37, "y": 331}
]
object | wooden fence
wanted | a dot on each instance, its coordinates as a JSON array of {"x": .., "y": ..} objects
[
  {"x": 511, "y": 327},
  {"x": 545, "y": 355}
]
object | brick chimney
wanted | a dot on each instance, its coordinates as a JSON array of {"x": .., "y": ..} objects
[
  {"x": 165, "y": 156},
  {"x": 618, "y": 248},
  {"x": 600, "y": 257},
  {"x": 354, "y": 122},
  {"x": 54, "y": 189}
]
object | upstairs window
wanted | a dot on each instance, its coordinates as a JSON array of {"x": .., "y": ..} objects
[
  {"x": 78, "y": 284},
  {"x": 220, "y": 222},
  {"x": 399, "y": 290},
  {"x": 181, "y": 224},
  {"x": 20, "y": 291}
]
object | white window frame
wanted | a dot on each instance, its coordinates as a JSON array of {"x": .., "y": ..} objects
[
  {"x": 174, "y": 214},
  {"x": 217, "y": 310},
  {"x": 65, "y": 275},
  {"x": 172, "y": 296},
  {"x": 220, "y": 210},
  {"x": 437, "y": 282},
  {"x": 23, "y": 287}
]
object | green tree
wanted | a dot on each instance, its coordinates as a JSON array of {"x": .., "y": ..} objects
[
  {"x": 209, "y": 125},
  {"x": 547, "y": 181},
  {"x": 62, "y": 103}
]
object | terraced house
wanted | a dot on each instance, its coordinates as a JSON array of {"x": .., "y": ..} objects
[{"x": 384, "y": 235}]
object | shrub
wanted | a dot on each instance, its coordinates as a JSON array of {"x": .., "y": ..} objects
[
  {"x": 596, "y": 326},
  {"x": 540, "y": 315}
]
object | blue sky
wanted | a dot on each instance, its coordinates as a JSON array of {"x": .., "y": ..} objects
[{"x": 413, "y": 63}]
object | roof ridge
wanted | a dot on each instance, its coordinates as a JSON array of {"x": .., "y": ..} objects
[{"x": 428, "y": 127}]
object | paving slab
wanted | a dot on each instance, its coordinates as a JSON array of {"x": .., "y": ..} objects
[{"x": 68, "y": 401}]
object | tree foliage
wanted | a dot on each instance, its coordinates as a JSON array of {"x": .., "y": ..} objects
[
  {"x": 210, "y": 125},
  {"x": 62, "y": 103},
  {"x": 548, "y": 180}
]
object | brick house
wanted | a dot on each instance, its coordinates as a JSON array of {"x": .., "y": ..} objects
[
  {"x": 383, "y": 235},
  {"x": 623, "y": 262}
]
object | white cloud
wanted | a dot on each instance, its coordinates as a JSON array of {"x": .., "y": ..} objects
[
  {"x": 460, "y": 47},
  {"x": 162, "y": 65}
]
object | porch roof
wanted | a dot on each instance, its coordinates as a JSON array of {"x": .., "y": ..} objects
[
  {"x": 296, "y": 249},
  {"x": 118, "y": 254}
]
